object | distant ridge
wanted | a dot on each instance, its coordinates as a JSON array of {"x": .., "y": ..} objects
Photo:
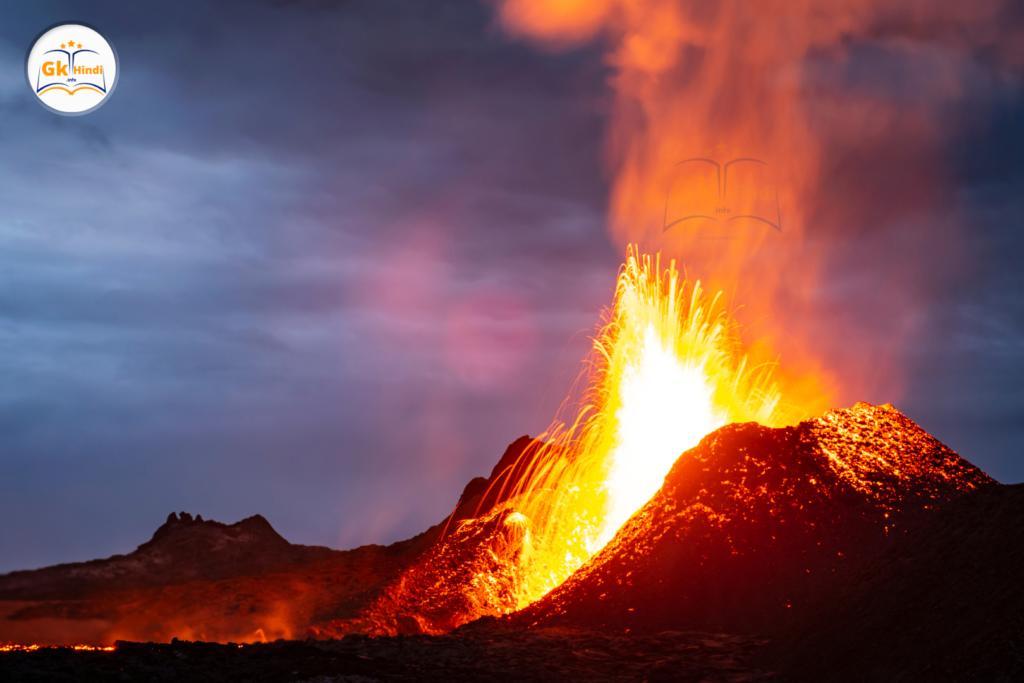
[{"x": 183, "y": 549}]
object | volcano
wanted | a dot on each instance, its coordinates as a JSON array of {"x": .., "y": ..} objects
[
  {"x": 754, "y": 523},
  {"x": 750, "y": 527},
  {"x": 755, "y": 531}
]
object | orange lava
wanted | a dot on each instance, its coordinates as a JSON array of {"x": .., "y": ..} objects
[{"x": 33, "y": 648}]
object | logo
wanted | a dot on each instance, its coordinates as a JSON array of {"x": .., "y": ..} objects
[
  {"x": 737, "y": 191},
  {"x": 71, "y": 69}
]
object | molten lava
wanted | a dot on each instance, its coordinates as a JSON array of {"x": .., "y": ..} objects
[
  {"x": 666, "y": 369},
  {"x": 33, "y": 648}
]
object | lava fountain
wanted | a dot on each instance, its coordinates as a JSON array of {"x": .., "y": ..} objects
[{"x": 666, "y": 368}]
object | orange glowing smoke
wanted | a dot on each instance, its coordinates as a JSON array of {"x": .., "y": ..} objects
[
  {"x": 758, "y": 79},
  {"x": 666, "y": 369},
  {"x": 719, "y": 81}
]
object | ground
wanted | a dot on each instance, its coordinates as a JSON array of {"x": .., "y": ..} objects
[{"x": 475, "y": 654}]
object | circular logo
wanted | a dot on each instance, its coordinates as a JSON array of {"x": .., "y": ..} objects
[{"x": 71, "y": 68}]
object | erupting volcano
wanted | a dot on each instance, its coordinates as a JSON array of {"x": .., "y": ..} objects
[
  {"x": 752, "y": 518},
  {"x": 667, "y": 368},
  {"x": 674, "y": 500},
  {"x": 674, "y": 497}
]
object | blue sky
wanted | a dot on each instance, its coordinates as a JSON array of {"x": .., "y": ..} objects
[{"x": 324, "y": 261}]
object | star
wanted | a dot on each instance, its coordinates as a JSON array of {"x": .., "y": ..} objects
[
  {"x": 79, "y": 46},
  {"x": 71, "y": 43},
  {"x": 722, "y": 147},
  {"x": 62, "y": 46}
]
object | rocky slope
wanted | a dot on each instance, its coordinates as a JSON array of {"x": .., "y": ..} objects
[
  {"x": 472, "y": 573},
  {"x": 944, "y": 604}
]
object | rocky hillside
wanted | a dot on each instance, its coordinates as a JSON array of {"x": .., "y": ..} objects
[{"x": 944, "y": 605}]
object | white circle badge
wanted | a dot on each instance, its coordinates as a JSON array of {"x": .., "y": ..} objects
[{"x": 71, "y": 69}]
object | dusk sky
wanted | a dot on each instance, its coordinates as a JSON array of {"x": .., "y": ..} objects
[{"x": 322, "y": 261}]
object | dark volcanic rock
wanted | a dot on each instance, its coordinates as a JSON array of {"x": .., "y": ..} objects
[
  {"x": 754, "y": 523},
  {"x": 479, "y": 654},
  {"x": 944, "y": 604},
  {"x": 278, "y": 602}
]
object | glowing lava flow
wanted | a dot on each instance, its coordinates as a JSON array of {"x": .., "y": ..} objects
[
  {"x": 666, "y": 369},
  {"x": 33, "y": 648}
]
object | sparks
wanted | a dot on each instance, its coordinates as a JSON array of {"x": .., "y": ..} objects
[{"x": 666, "y": 369}]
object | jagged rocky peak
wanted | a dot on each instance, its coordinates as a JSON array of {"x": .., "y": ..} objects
[
  {"x": 185, "y": 529},
  {"x": 185, "y": 518}
]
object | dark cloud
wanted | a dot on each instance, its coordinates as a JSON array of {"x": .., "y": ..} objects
[{"x": 232, "y": 288}]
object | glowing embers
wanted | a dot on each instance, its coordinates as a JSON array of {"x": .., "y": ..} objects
[
  {"x": 666, "y": 369},
  {"x": 33, "y": 648}
]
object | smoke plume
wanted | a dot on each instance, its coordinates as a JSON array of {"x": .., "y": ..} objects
[{"x": 844, "y": 106}]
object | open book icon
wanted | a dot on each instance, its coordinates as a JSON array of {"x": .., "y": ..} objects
[
  {"x": 740, "y": 190},
  {"x": 71, "y": 70}
]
